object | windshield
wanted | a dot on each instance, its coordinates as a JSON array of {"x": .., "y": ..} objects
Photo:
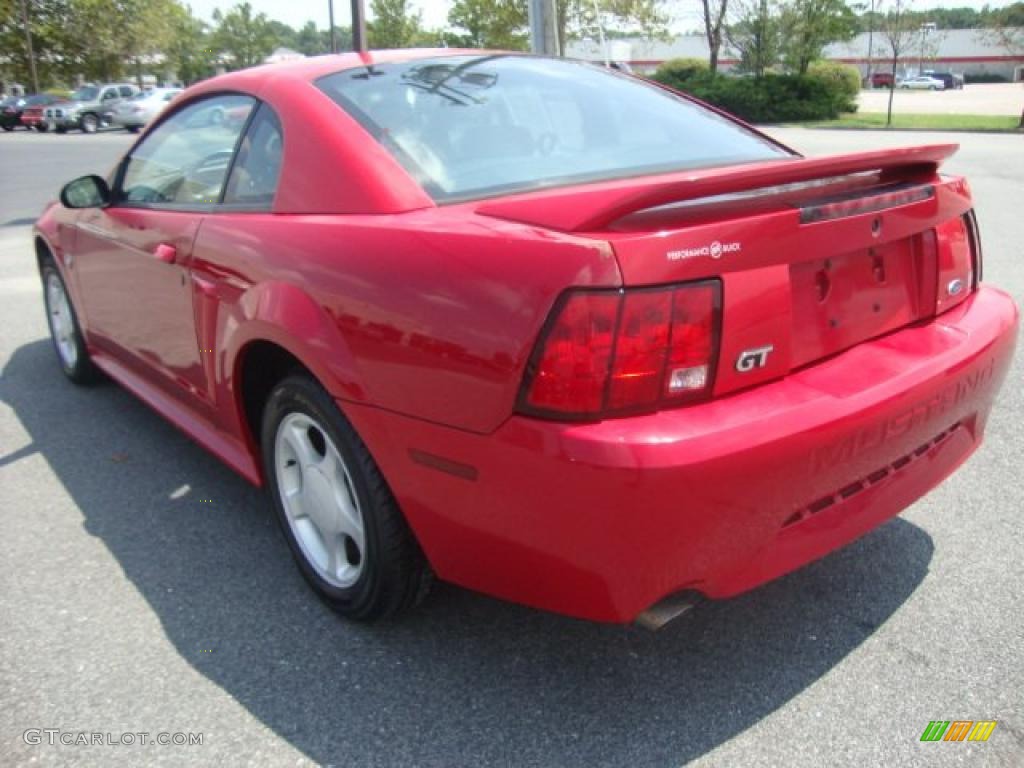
[
  {"x": 471, "y": 126},
  {"x": 88, "y": 93}
]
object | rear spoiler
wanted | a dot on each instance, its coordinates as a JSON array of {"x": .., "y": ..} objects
[{"x": 592, "y": 207}]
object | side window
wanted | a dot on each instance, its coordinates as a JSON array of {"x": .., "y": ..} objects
[
  {"x": 110, "y": 93},
  {"x": 254, "y": 175},
  {"x": 183, "y": 162},
  {"x": 126, "y": 91}
]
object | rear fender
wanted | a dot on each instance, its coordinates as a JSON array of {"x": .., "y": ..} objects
[{"x": 284, "y": 315}]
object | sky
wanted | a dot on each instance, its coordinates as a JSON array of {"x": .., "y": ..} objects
[{"x": 296, "y": 13}]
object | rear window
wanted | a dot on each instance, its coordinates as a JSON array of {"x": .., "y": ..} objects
[{"x": 473, "y": 126}]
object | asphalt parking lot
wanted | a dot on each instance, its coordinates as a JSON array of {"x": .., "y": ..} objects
[{"x": 128, "y": 605}]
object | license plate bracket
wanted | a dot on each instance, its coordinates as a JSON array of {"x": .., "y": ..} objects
[{"x": 840, "y": 301}]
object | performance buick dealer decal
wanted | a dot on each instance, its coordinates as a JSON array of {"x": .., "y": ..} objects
[{"x": 715, "y": 250}]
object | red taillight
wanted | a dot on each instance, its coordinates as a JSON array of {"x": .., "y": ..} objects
[
  {"x": 956, "y": 263},
  {"x": 608, "y": 352},
  {"x": 572, "y": 368},
  {"x": 640, "y": 346}
]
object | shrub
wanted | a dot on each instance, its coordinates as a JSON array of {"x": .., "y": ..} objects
[
  {"x": 770, "y": 99},
  {"x": 847, "y": 78},
  {"x": 679, "y": 70},
  {"x": 985, "y": 77}
]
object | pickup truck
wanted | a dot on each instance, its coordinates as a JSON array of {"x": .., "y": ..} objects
[{"x": 89, "y": 108}]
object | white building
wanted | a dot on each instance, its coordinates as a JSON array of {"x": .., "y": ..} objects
[{"x": 964, "y": 51}]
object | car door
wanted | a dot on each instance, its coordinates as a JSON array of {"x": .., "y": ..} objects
[
  {"x": 248, "y": 198},
  {"x": 132, "y": 257}
]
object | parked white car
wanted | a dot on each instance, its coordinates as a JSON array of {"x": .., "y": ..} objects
[
  {"x": 923, "y": 83},
  {"x": 135, "y": 113}
]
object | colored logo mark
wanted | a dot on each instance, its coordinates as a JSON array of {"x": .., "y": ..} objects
[{"x": 958, "y": 730}]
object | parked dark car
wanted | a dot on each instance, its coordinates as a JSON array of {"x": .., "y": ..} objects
[{"x": 12, "y": 109}]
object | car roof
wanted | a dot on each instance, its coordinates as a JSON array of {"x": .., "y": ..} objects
[{"x": 313, "y": 67}]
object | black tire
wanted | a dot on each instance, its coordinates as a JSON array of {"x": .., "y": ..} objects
[
  {"x": 41, "y": 127},
  {"x": 89, "y": 123},
  {"x": 7, "y": 127},
  {"x": 394, "y": 574},
  {"x": 132, "y": 128},
  {"x": 82, "y": 371},
  {"x": 61, "y": 129}
]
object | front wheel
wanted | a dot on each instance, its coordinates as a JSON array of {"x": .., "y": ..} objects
[
  {"x": 65, "y": 331},
  {"x": 8, "y": 127},
  {"x": 41, "y": 127},
  {"x": 90, "y": 123},
  {"x": 341, "y": 521}
]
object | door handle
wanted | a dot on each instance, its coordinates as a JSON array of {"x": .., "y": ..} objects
[{"x": 168, "y": 254}]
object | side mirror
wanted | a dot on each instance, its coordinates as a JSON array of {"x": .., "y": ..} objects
[{"x": 85, "y": 192}]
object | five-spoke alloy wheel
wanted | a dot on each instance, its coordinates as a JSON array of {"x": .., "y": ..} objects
[
  {"x": 64, "y": 329},
  {"x": 341, "y": 521},
  {"x": 319, "y": 500}
]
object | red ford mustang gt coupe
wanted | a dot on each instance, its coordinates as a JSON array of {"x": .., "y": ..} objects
[{"x": 544, "y": 330}]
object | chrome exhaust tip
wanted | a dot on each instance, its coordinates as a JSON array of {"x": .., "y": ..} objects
[{"x": 668, "y": 609}]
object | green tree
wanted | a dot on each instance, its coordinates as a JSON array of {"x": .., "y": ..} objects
[
  {"x": 809, "y": 25},
  {"x": 497, "y": 24},
  {"x": 46, "y": 18},
  {"x": 190, "y": 52},
  {"x": 284, "y": 36},
  {"x": 395, "y": 24},
  {"x": 756, "y": 35},
  {"x": 899, "y": 26},
  {"x": 1005, "y": 28},
  {"x": 713, "y": 15},
  {"x": 147, "y": 30},
  {"x": 628, "y": 18},
  {"x": 310, "y": 41},
  {"x": 243, "y": 37}
]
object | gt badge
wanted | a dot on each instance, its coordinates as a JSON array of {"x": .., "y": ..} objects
[{"x": 750, "y": 359}]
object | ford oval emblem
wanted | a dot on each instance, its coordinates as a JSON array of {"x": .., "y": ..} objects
[{"x": 955, "y": 286}]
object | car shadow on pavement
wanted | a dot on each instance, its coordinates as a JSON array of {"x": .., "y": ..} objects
[{"x": 463, "y": 680}]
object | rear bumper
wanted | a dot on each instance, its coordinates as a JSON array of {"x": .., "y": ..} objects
[
  {"x": 63, "y": 121},
  {"x": 602, "y": 520}
]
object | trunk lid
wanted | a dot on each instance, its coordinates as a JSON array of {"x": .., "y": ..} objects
[{"x": 815, "y": 255}]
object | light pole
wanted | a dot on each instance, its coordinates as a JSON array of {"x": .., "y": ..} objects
[
  {"x": 330, "y": 20},
  {"x": 543, "y": 32},
  {"x": 925, "y": 29},
  {"x": 871, "y": 40},
  {"x": 358, "y": 26}
]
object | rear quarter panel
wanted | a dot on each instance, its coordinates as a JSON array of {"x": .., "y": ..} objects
[{"x": 431, "y": 313}]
